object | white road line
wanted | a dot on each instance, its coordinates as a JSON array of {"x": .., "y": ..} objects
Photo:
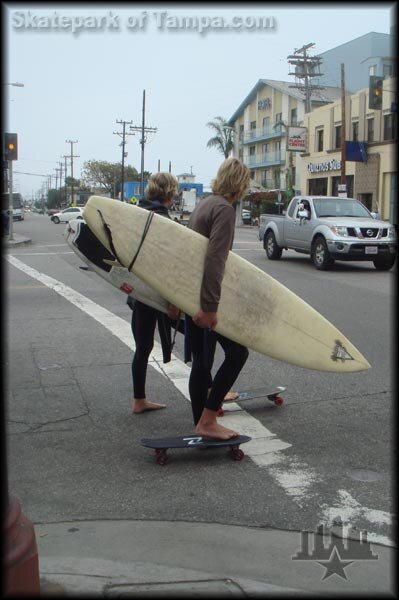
[
  {"x": 264, "y": 441},
  {"x": 40, "y": 253},
  {"x": 264, "y": 449}
]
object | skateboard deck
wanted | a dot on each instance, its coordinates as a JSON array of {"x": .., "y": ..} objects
[
  {"x": 162, "y": 445},
  {"x": 273, "y": 395}
]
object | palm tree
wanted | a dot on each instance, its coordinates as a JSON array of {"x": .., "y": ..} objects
[{"x": 223, "y": 140}]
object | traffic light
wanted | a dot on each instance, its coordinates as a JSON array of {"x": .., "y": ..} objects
[
  {"x": 10, "y": 146},
  {"x": 375, "y": 92}
]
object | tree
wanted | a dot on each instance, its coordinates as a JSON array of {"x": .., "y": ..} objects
[
  {"x": 223, "y": 140},
  {"x": 53, "y": 199},
  {"x": 108, "y": 176}
]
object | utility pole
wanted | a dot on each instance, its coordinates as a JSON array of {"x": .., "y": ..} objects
[
  {"x": 65, "y": 156},
  {"x": 144, "y": 130},
  {"x": 72, "y": 142},
  {"x": 159, "y": 165},
  {"x": 123, "y": 134},
  {"x": 306, "y": 67},
  {"x": 343, "y": 129}
]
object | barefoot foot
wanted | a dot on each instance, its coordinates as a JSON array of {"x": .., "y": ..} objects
[
  {"x": 143, "y": 405},
  {"x": 231, "y": 396}
]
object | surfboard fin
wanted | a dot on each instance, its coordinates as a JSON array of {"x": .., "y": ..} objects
[{"x": 112, "y": 263}]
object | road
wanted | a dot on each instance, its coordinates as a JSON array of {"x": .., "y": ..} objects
[{"x": 73, "y": 446}]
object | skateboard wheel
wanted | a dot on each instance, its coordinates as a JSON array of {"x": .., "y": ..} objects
[
  {"x": 279, "y": 401},
  {"x": 220, "y": 412},
  {"x": 160, "y": 456},
  {"x": 237, "y": 454}
]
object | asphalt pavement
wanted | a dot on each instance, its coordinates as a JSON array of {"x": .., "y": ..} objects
[{"x": 144, "y": 557}]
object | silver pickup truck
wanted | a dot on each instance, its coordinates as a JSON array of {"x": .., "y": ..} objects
[{"x": 329, "y": 228}]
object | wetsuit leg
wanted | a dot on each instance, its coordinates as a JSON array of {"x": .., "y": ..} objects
[
  {"x": 144, "y": 319},
  {"x": 235, "y": 358},
  {"x": 199, "y": 375}
]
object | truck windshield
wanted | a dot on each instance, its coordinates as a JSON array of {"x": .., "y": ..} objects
[
  {"x": 340, "y": 207},
  {"x": 16, "y": 200}
]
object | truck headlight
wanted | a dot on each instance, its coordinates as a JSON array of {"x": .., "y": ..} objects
[
  {"x": 392, "y": 232},
  {"x": 339, "y": 230}
]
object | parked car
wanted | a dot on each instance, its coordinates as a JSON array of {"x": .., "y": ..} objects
[
  {"x": 246, "y": 217},
  {"x": 74, "y": 212},
  {"x": 329, "y": 228}
]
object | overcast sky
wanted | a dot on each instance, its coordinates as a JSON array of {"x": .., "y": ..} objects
[{"x": 78, "y": 83}]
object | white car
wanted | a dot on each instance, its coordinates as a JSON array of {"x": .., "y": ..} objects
[{"x": 74, "y": 212}]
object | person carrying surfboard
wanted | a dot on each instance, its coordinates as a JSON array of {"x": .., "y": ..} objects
[
  {"x": 214, "y": 217},
  {"x": 159, "y": 194}
]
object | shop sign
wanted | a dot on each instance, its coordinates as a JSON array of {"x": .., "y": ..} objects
[
  {"x": 297, "y": 139},
  {"x": 330, "y": 165}
]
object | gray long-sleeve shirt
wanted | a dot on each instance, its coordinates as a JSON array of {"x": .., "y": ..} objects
[{"x": 214, "y": 217}]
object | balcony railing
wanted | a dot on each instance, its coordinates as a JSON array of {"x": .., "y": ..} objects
[
  {"x": 266, "y": 160},
  {"x": 262, "y": 133},
  {"x": 270, "y": 184}
]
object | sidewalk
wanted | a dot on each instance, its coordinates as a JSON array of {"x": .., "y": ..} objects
[
  {"x": 162, "y": 559},
  {"x": 16, "y": 241}
]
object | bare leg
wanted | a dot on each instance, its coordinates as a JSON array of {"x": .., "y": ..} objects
[
  {"x": 141, "y": 405},
  {"x": 208, "y": 426}
]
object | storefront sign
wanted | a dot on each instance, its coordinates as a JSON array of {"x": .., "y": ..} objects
[
  {"x": 297, "y": 139},
  {"x": 266, "y": 103},
  {"x": 330, "y": 165}
]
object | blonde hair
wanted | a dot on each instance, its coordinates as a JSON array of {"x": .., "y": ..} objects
[
  {"x": 232, "y": 179},
  {"x": 162, "y": 186}
]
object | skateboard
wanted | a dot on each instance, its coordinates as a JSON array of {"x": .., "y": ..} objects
[
  {"x": 162, "y": 445},
  {"x": 272, "y": 395}
]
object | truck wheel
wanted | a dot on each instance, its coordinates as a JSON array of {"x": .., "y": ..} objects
[
  {"x": 320, "y": 255},
  {"x": 273, "y": 251},
  {"x": 384, "y": 263}
]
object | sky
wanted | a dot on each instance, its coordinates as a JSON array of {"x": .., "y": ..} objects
[{"x": 85, "y": 66}]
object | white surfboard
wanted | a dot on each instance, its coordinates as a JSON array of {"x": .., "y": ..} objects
[
  {"x": 91, "y": 251},
  {"x": 255, "y": 310}
]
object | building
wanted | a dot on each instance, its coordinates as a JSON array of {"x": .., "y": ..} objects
[
  {"x": 369, "y": 54},
  {"x": 372, "y": 178},
  {"x": 261, "y": 121}
]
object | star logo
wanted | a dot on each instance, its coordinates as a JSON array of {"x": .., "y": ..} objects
[{"x": 334, "y": 565}]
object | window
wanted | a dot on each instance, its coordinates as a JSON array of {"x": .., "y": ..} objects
[
  {"x": 355, "y": 131},
  {"x": 278, "y": 145},
  {"x": 279, "y": 117},
  {"x": 390, "y": 127},
  {"x": 370, "y": 130},
  {"x": 319, "y": 140},
  {"x": 294, "y": 116},
  {"x": 266, "y": 123},
  {"x": 386, "y": 71},
  {"x": 252, "y": 150},
  {"x": 338, "y": 136},
  {"x": 253, "y": 125},
  {"x": 241, "y": 132},
  {"x": 372, "y": 70},
  {"x": 240, "y": 154},
  {"x": 265, "y": 148}
]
